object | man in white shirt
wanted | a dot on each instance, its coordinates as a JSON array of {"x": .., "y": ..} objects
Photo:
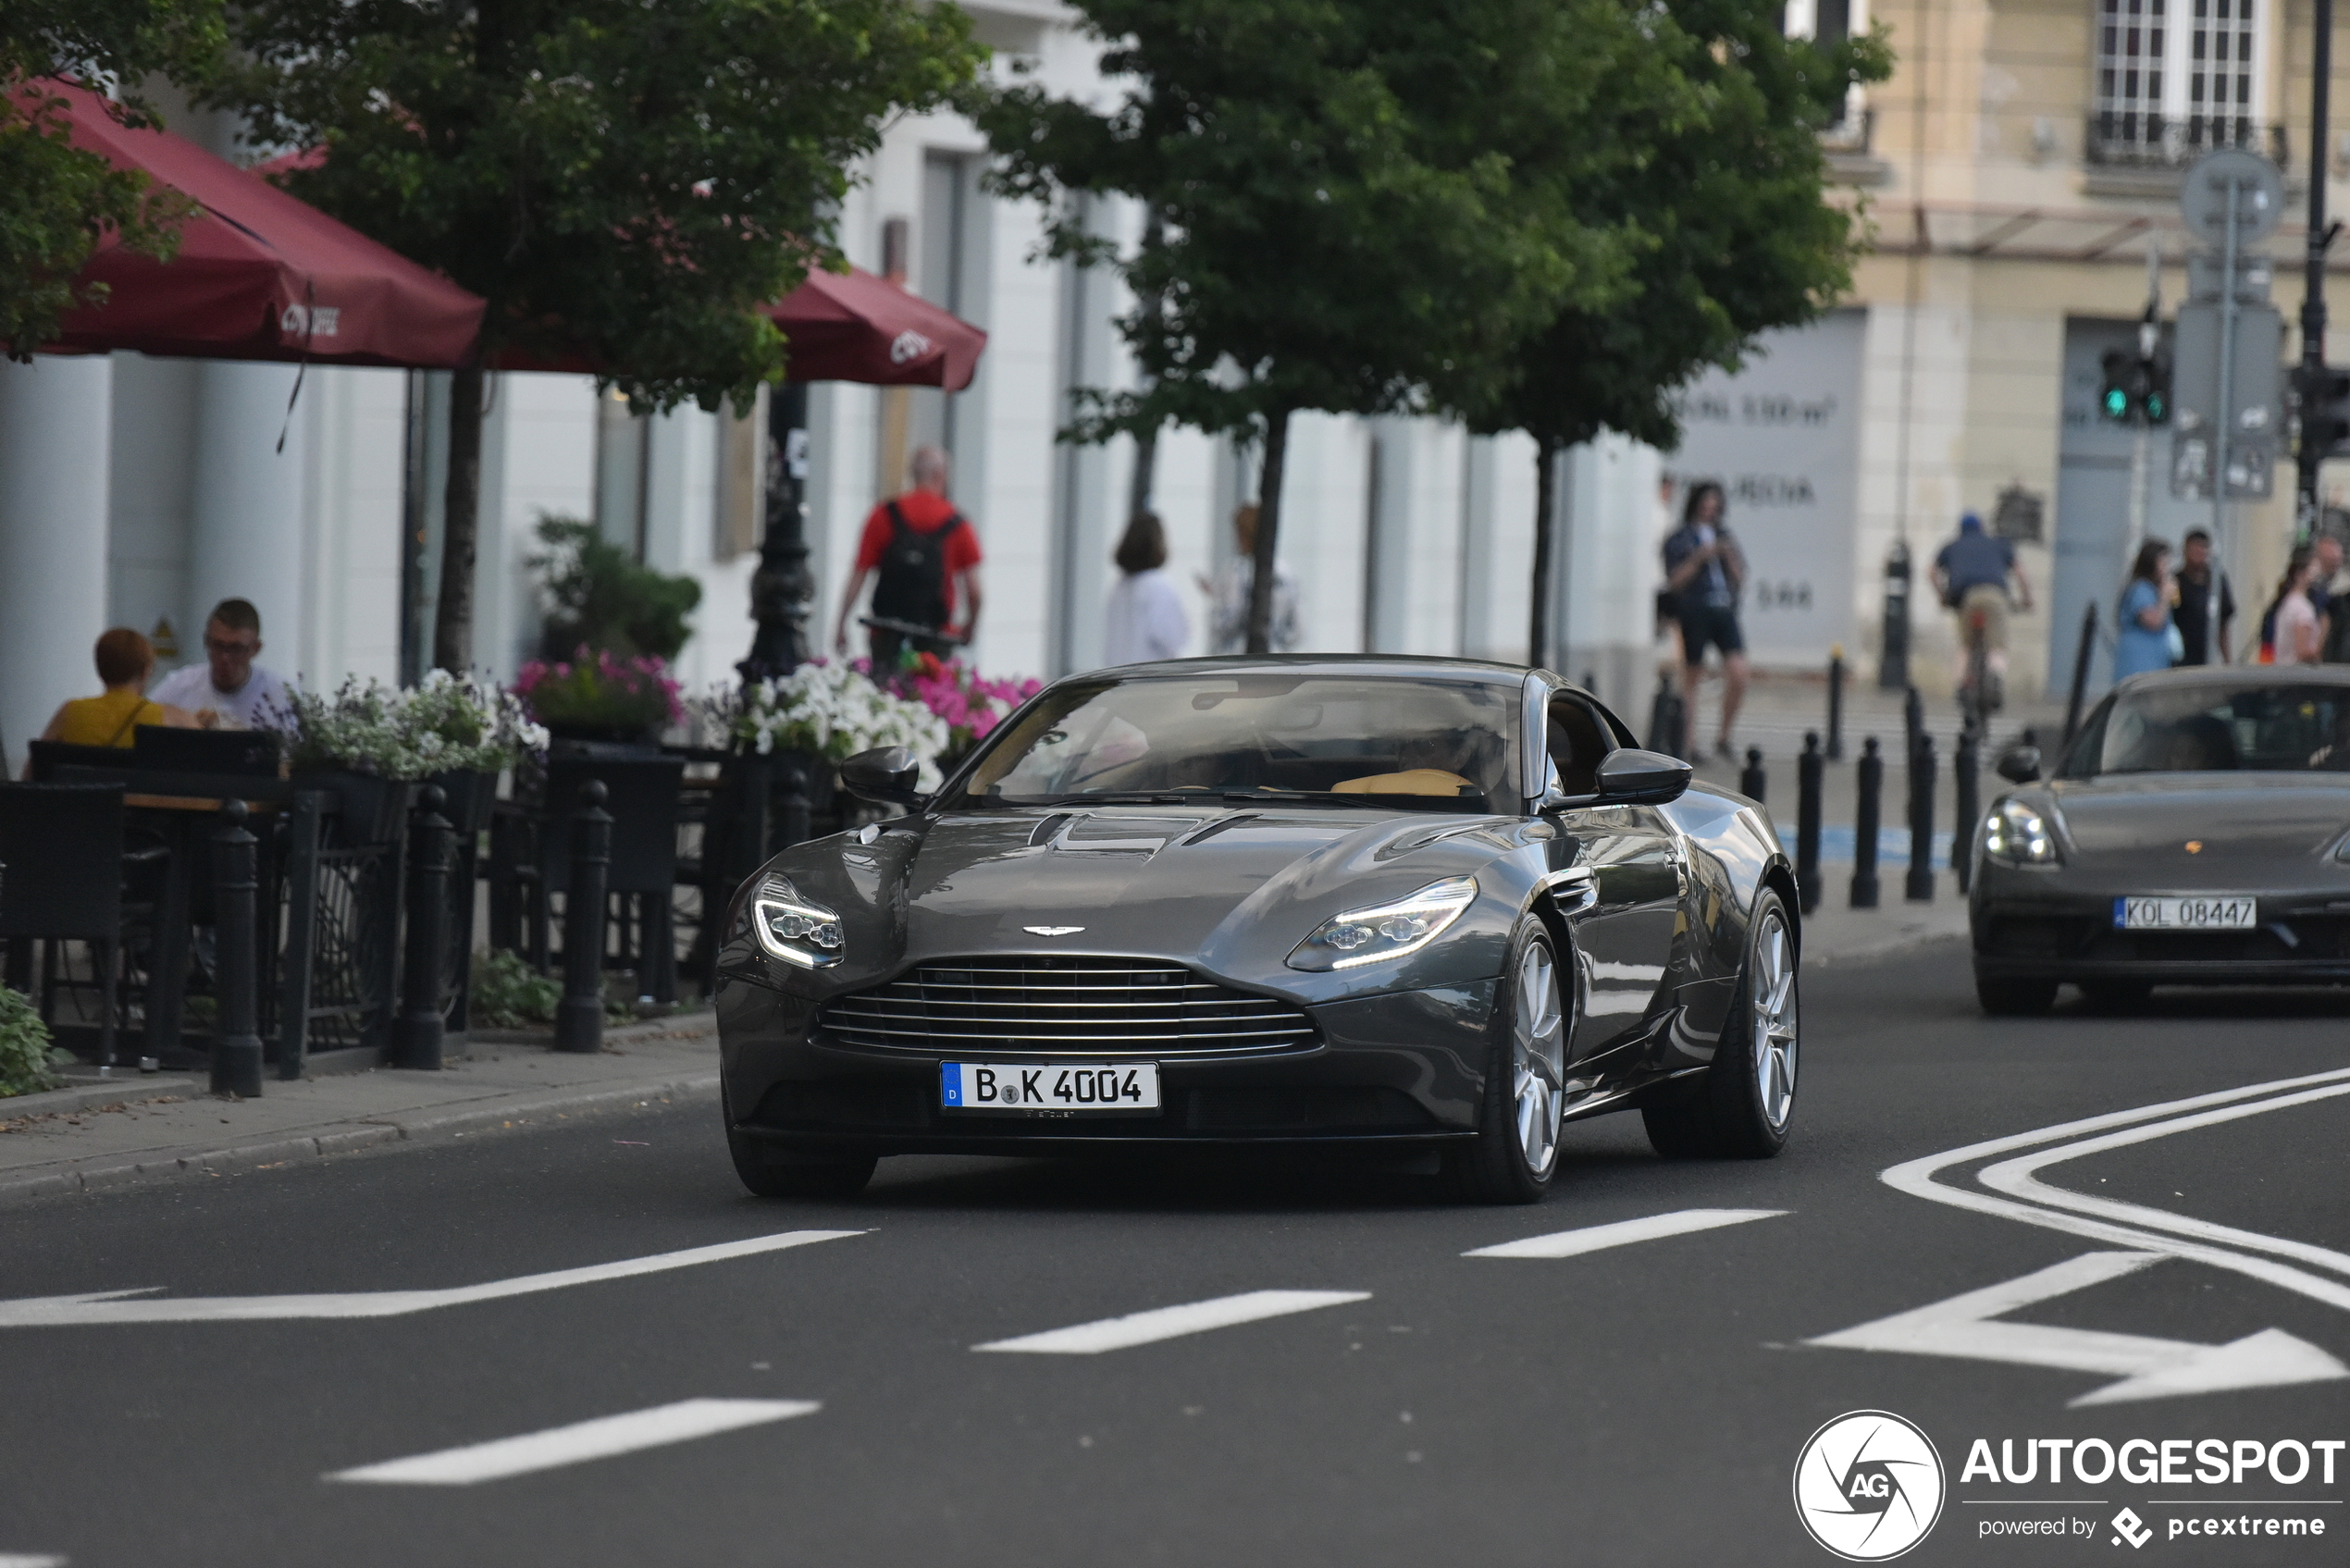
[{"x": 228, "y": 691}]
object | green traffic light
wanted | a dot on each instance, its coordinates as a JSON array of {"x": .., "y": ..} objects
[
  {"x": 2153, "y": 407},
  {"x": 2117, "y": 403}
]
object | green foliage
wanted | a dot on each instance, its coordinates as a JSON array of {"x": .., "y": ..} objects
[
  {"x": 1343, "y": 213},
  {"x": 24, "y": 1046},
  {"x": 1726, "y": 196},
  {"x": 58, "y": 203},
  {"x": 509, "y": 993},
  {"x": 599, "y": 598},
  {"x": 624, "y": 182}
]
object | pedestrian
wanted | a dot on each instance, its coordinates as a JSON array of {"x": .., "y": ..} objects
[
  {"x": 1704, "y": 570},
  {"x": 2328, "y": 587},
  {"x": 2203, "y": 589},
  {"x": 125, "y": 659},
  {"x": 1972, "y": 573},
  {"x": 2298, "y": 635},
  {"x": 228, "y": 691},
  {"x": 1228, "y": 595},
  {"x": 1146, "y": 619},
  {"x": 2143, "y": 640},
  {"x": 922, "y": 556}
]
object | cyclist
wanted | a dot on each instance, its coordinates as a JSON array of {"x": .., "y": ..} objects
[{"x": 1972, "y": 573}]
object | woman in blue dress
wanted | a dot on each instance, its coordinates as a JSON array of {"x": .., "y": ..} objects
[{"x": 2143, "y": 640}]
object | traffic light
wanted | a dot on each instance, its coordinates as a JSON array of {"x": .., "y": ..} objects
[
  {"x": 2324, "y": 396},
  {"x": 2156, "y": 401},
  {"x": 2114, "y": 399},
  {"x": 2136, "y": 388}
]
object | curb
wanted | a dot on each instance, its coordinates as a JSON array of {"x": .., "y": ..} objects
[
  {"x": 421, "y": 1127},
  {"x": 100, "y": 1095}
]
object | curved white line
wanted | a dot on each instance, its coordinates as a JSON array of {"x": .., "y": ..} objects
[
  {"x": 2016, "y": 1178},
  {"x": 1916, "y": 1178}
]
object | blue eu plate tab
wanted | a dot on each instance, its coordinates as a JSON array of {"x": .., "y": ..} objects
[{"x": 950, "y": 1082}]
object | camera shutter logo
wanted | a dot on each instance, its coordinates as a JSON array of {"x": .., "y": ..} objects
[{"x": 1869, "y": 1486}]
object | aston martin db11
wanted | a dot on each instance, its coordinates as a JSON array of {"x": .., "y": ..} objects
[
  {"x": 1412, "y": 903},
  {"x": 2196, "y": 832}
]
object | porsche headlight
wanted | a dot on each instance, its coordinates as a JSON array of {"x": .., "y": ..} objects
[
  {"x": 798, "y": 931},
  {"x": 1388, "y": 931},
  {"x": 2015, "y": 835}
]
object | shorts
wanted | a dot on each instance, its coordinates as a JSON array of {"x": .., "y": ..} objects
[
  {"x": 1710, "y": 624},
  {"x": 1991, "y": 599}
]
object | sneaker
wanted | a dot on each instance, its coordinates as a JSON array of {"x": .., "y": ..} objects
[{"x": 1723, "y": 749}]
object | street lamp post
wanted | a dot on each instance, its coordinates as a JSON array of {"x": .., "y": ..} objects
[
  {"x": 781, "y": 588},
  {"x": 2313, "y": 297}
]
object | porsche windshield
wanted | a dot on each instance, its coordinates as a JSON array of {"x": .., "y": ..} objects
[
  {"x": 1422, "y": 744},
  {"x": 2203, "y": 728}
]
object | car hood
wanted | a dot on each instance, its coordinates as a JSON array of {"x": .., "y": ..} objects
[
  {"x": 2240, "y": 820},
  {"x": 1231, "y": 890}
]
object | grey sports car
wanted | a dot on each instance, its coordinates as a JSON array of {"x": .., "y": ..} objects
[
  {"x": 1366, "y": 901},
  {"x": 2195, "y": 833}
]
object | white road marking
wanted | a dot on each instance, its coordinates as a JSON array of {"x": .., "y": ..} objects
[
  {"x": 2148, "y": 1368},
  {"x": 1917, "y": 1178},
  {"x": 110, "y": 1307},
  {"x": 1595, "y": 1238},
  {"x": 1169, "y": 1323},
  {"x": 580, "y": 1441},
  {"x": 29, "y": 1560}
]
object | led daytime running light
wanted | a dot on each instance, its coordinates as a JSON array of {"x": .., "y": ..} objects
[
  {"x": 794, "y": 929},
  {"x": 1386, "y": 931}
]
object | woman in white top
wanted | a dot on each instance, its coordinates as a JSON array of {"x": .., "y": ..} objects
[
  {"x": 2297, "y": 634},
  {"x": 1146, "y": 619}
]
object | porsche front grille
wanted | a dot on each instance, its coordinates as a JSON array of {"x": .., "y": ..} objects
[{"x": 1047, "y": 1002}]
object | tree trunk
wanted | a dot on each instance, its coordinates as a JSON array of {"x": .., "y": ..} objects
[
  {"x": 452, "y": 627},
  {"x": 1546, "y": 469},
  {"x": 1268, "y": 532}
]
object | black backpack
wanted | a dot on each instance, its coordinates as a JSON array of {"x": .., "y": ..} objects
[{"x": 911, "y": 585}]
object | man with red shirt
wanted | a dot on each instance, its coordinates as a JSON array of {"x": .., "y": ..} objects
[{"x": 924, "y": 556}]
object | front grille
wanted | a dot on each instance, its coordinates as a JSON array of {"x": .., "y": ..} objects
[{"x": 1045, "y": 1003}]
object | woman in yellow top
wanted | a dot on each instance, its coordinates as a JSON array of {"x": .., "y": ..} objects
[{"x": 124, "y": 660}]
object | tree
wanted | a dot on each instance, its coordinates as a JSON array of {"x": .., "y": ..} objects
[
  {"x": 625, "y": 183},
  {"x": 1337, "y": 220},
  {"x": 58, "y": 203},
  {"x": 1726, "y": 194}
]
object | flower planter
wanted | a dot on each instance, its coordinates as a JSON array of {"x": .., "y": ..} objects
[
  {"x": 467, "y": 797},
  {"x": 374, "y": 809}
]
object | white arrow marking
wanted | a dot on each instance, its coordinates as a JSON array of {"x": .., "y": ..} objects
[
  {"x": 559, "y": 1446},
  {"x": 2148, "y": 1368},
  {"x": 1594, "y": 1238},
  {"x": 1169, "y": 1323},
  {"x": 111, "y": 1306}
]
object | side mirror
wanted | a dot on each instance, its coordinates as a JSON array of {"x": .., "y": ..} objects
[
  {"x": 2019, "y": 764},
  {"x": 1641, "y": 778},
  {"x": 886, "y": 776}
]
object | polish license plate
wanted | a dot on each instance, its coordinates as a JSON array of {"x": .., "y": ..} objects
[
  {"x": 2225, "y": 912},
  {"x": 1052, "y": 1089}
]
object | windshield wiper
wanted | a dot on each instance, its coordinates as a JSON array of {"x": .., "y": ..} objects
[{"x": 1319, "y": 796}]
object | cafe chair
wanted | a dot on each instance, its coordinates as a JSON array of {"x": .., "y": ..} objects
[
  {"x": 62, "y": 861},
  {"x": 48, "y": 756},
  {"x": 252, "y": 753}
]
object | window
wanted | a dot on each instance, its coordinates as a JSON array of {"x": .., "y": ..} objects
[
  {"x": 621, "y": 438},
  {"x": 1577, "y": 742},
  {"x": 2174, "y": 79}
]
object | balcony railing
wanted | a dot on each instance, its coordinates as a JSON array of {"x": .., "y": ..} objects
[
  {"x": 1852, "y": 133},
  {"x": 2119, "y": 139}
]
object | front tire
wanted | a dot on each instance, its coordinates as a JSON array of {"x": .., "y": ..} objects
[
  {"x": 778, "y": 1170},
  {"x": 1743, "y": 1104},
  {"x": 1522, "y": 1110}
]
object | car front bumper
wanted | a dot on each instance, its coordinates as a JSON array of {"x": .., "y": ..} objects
[
  {"x": 1402, "y": 1067},
  {"x": 2060, "y": 925}
]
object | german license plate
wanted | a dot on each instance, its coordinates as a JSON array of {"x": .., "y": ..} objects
[
  {"x": 1054, "y": 1089},
  {"x": 2226, "y": 912}
]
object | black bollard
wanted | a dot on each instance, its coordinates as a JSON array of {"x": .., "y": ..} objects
[
  {"x": 1592, "y": 682},
  {"x": 1870, "y": 781},
  {"x": 1753, "y": 780},
  {"x": 1919, "y": 886},
  {"x": 580, "y": 1017},
  {"x": 1912, "y": 721},
  {"x": 1810, "y": 771},
  {"x": 236, "y": 1039},
  {"x": 1966, "y": 805},
  {"x": 2079, "y": 675},
  {"x": 796, "y": 828},
  {"x": 416, "y": 1042},
  {"x": 1836, "y": 704},
  {"x": 1667, "y": 718}
]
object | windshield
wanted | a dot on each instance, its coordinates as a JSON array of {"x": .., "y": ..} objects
[
  {"x": 1418, "y": 744},
  {"x": 2203, "y": 728}
]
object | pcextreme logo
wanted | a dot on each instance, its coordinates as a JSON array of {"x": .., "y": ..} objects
[{"x": 1868, "y": 1486}]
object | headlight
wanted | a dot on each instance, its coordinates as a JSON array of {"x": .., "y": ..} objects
[
  {"x": 2015, "y": 834},
  {"x": 1388, "y": 930},
  {"x": 796, "y": 930}
]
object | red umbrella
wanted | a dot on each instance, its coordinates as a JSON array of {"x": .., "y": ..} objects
[
  {"x": 860, "y": 327},
  {"x": 259, "y": 274}
]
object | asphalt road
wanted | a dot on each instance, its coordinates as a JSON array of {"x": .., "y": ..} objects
[{"x": 1644, "y": 1402}]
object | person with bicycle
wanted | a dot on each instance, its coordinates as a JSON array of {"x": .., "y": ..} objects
[{"x": 1972, "y": 573}]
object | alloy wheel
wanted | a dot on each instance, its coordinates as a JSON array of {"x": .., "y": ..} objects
[
  {"x": 1538, "y": 1056},
  {"x": 1772, "y": 986}
]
